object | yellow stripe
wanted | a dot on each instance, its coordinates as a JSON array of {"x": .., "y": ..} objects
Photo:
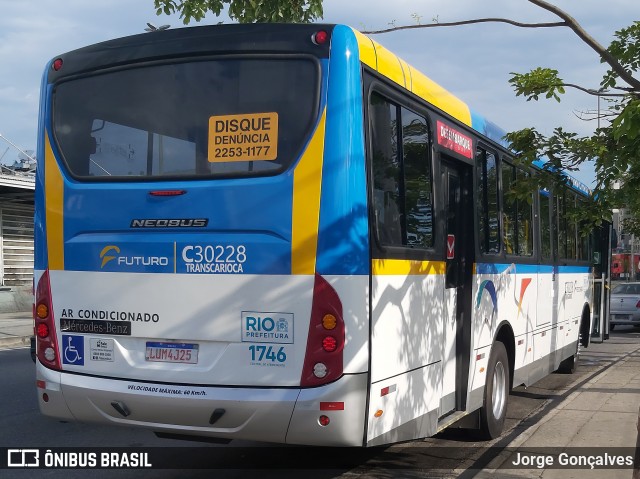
[
  {"x": 430, "y": 91},
  {"x": 389, "y": 65},
  {"x": 382, "y": 60},
  {"x": 406, "y": 69},
  {"x": 366, "y": 50},
  {"x": 307, "y": 185},
  {"x": 402, "y": 267},
  {"x": 54, "y": 200}
]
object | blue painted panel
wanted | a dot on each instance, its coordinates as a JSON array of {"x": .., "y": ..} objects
[
  {"x": 343, "y": 242},
  {"x": 512, "y": 268},
  {"x": 39, "y": 233},
  {"x": 250, "y": 217},
  {"x": 488, "y": 129}
]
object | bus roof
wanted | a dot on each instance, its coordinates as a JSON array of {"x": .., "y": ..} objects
[{"x": 394, "y": 68}]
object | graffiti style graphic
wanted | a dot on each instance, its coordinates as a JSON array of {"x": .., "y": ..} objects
[
  {"x": 524, "y": 284},
  {"x": 502, "y": 282},
  {"x": 489, "y": 287}
]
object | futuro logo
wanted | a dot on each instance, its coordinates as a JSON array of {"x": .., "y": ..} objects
[{"x": 105, "y": 257}]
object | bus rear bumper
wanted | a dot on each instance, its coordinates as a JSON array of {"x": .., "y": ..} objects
[{"x": 281, "y": 415}]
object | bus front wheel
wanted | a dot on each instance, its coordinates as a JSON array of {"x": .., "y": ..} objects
[{"x": 496, "y": 393}]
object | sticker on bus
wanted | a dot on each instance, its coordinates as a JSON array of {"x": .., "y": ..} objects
[
  {"x": 259, "y": 327},
  {"x": 267, "y": 355},
  {"x": 73, "y": 350},
  {"x": 101, "y": 349},
  {"x": 246, "y": 137}
]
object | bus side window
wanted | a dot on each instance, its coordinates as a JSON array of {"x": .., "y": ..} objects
[
  {"x": 517, "y": 213},
  {"x": 401, "y": 175},
  {"x": 545, "y": 224},
  {"x": 386, "y": 170},
  {"x": 417, "y": 180},
  {"x": 488, "y": 208},
  {"x": 510, "y": 209}
]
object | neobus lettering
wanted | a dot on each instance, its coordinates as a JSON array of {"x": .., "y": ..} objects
[{"x": 246, "y": 124}]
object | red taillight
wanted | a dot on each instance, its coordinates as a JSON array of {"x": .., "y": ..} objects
[
  {"x": 42, "y": 330},
  {"x": 325, "y": 343},
  {"x": 320, "y": 37},
  {"x": 329, "y": 344},
  {"x": 167, "y": 192},
  {"x": 46, "y": 342},
  {"x": 57, "y": 64},
  {"x": 638, "y": 305}
]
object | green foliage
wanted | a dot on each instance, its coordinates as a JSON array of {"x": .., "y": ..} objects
[
  {"x": 244, "y": 11},
  {"x": 538, "y": 82},
  {"x": 626, "y": 49},
  {"x": 627, "y": 124}
]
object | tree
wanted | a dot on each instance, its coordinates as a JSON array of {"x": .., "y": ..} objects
[
  {"x": 614, "y": 146},
  {"x": 244, "y": 11}
]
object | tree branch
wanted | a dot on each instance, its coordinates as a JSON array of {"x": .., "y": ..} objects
[
  {"x": 469, "y": 22},
  {"x": 573, "y": 24},
  {"x": 569, "y": 21},
  {"x": 591, "y": 91}
]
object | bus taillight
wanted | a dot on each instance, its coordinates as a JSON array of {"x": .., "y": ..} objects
[
  {"x": 320, "y": 37},
  {"x": 325, "y": 343},
  {"x": 46, "y": 343}
]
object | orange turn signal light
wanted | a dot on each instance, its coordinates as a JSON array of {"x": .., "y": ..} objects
[
  {"x": 329, "y": 321},
  {"x": 42, "y": 311}
]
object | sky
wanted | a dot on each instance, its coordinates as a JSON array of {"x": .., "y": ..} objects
[{"x": 473, "y": 62}]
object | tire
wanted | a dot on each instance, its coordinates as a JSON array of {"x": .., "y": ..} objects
[{"x": 496, "y": 393}]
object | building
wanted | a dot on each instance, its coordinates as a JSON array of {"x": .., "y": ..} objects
[{"x": 17, "y": 185}]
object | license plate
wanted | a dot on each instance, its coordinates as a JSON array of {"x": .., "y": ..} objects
[{"x": 172, "y": 352}]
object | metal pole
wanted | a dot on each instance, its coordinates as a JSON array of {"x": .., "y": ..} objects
[
  {"x": 17, "y": 147},
  {"x": 633, "y": 258}
]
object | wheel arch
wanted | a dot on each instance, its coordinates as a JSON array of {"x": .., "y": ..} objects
[
  {"x": 585, "y": 326},
  {"x": 504, "y": 334}
]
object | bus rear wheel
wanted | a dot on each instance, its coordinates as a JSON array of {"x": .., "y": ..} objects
[
  {"x": 496, "y": 393},
  {"x": 569, "y": 365}
]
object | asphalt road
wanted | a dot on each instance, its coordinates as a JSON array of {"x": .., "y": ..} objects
[{"x": 22, "y": 426}]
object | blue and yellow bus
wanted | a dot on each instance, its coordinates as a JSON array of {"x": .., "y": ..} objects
[{"x": 286, "y": 233}]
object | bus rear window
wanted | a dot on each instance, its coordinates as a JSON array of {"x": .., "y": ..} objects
[{"x": 225, "y": 117}]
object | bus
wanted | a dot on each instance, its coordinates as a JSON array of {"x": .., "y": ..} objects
[
  {"x": 286, "y": 233},
  {"x": 621, "y": 266}
]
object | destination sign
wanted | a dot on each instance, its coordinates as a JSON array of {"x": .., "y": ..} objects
[{"x": 453, "y": 140}]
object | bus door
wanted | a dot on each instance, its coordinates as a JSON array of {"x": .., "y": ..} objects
[{"x": 459, "y": 253}]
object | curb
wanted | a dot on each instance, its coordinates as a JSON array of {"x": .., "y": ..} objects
[
  {"x": 15, "y": 342},
  {"x": 494, "y": 466},
  {"x": 636, "y": 462}
]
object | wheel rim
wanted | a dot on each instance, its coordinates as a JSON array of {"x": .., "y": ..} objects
[{"x": 499, "y": 397}]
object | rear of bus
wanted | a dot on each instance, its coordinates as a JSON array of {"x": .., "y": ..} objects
[{"x": 201, "y": 235}]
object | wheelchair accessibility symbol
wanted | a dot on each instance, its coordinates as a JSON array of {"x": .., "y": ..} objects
[{"x": 73, "y": 350}]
